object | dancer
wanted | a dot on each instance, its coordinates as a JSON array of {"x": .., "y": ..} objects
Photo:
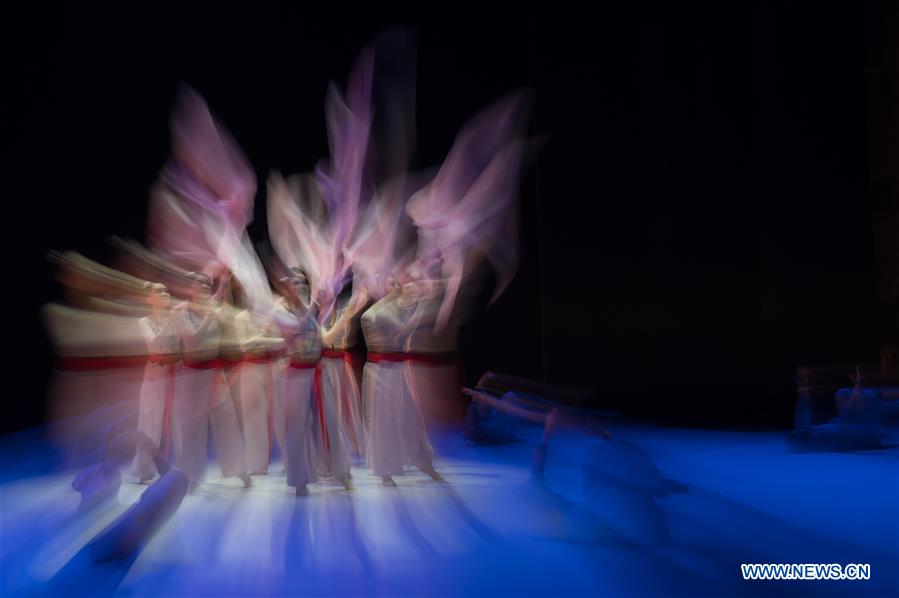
[
  {"x": 301, "y": 239},
  {"x": 340, "y": 337},
  {"x": 397, "y": 435},
  {"x": 857, "y": 425},
  {"x": 201, "y": 395},
  {"x": 260, "y": 343},
  {"x": 304, "y": 416},
  {"x": 158, "y": 390},
  {"x": 434, "y": 370},
  {"x": 101, "y": 354},
  {"x": 621, "y": 485}
]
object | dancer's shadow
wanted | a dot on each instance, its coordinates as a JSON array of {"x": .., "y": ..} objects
[
  {"x": 467, "y": 514},
  {"x": 100, "y": 566},
  {"x": 82, "y": 576},
  {"x": 410, "y": 529},
  {"x": 322, "y": 526}
]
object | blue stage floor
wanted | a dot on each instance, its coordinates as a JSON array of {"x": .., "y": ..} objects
[{"x": 489, "y": 531}]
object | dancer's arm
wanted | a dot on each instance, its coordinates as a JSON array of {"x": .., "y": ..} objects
[
  {"x": 253, "y": 338},
  {"x": 358, "y": 302},
  {"x": 157, "y": 342},
  {"x": 502, "y": 383},
  {"x": 505, "y": 406},
  {"x": 191, "y": 336},
  {"x": 571, "y": 417}
]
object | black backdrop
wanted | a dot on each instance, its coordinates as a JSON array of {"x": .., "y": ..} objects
[{"x": 697, "y": 224}]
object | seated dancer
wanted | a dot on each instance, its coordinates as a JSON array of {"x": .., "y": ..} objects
[
  {"x": 855, "y": 427},
  {"x": 620, "y": 483},
  {"x": 802, "y": 414},
  {"x": 487, "y": 425},
  {"x": 304, "y": 418},
  {"x": 201, "y": 395},
  {"x": 158, "y": 390},
  {"x": 397, "y": 435}
]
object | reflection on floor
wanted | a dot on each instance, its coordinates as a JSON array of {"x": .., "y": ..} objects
[{"x": 488, "y": 531}]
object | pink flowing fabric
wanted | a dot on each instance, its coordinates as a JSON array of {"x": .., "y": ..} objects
[
  {"x": 472, "y": 203},
  {"x": 200, "y": 209},
  {"x": 342, "y": 179},
  {"x": 311, "y": 218},
  {"x": 383, "y": 239}
]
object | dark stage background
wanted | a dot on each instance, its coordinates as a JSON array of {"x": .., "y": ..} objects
[{"x": 713, "y": 207}]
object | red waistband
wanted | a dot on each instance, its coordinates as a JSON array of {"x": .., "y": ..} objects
[
  {"x": 303, "y": 365},
  {"x": 336, "y": 354},
  {"x": 209, "y": 364},
  {"x": 266, "y": 358},
  {"x": 425, "y": 358},
  {"x": 164, "y": 359}
]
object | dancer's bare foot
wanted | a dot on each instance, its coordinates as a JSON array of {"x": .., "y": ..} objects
[
  {"x": 388, "y": 481},
  {"x": 346, "y": 480},
  {"x": 144, "y": 443},
  {"x": 247, "y": 482}
]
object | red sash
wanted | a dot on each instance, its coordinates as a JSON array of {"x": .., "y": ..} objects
[
  {"x": 317, "y": 402},
  {"x": 423, "y": 358},
  {"x": 320, "y": 408},
  {"x": 349, "y": 357},
  {"x": 266, "y": 358},
  {"x": 165, "y": 442},
  {"x": 303, "y": 365},
  {"x": 336, "y": 354},
  {"x": 209, "y": 364},
  {"x": 271, "y": 409}
]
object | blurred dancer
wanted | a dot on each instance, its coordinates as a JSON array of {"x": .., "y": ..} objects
[
  {"x": 303, "y": 409},
  {"x": 434, "y": 371},
  {"x": 100, "y": 483},
  {"x": 857, "y": 425},
  {"x": 621, "y": 485},
  {"x": 158, "y": 390},
  {"x": 301, "y": 237},
  {"x": 340, "y": 393},
  {"x": 101, "y": 354},
  {"x": 397, "y": 435},
  {"x": 260, "y": 344},
  {"x": 201, "y": 395}
]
